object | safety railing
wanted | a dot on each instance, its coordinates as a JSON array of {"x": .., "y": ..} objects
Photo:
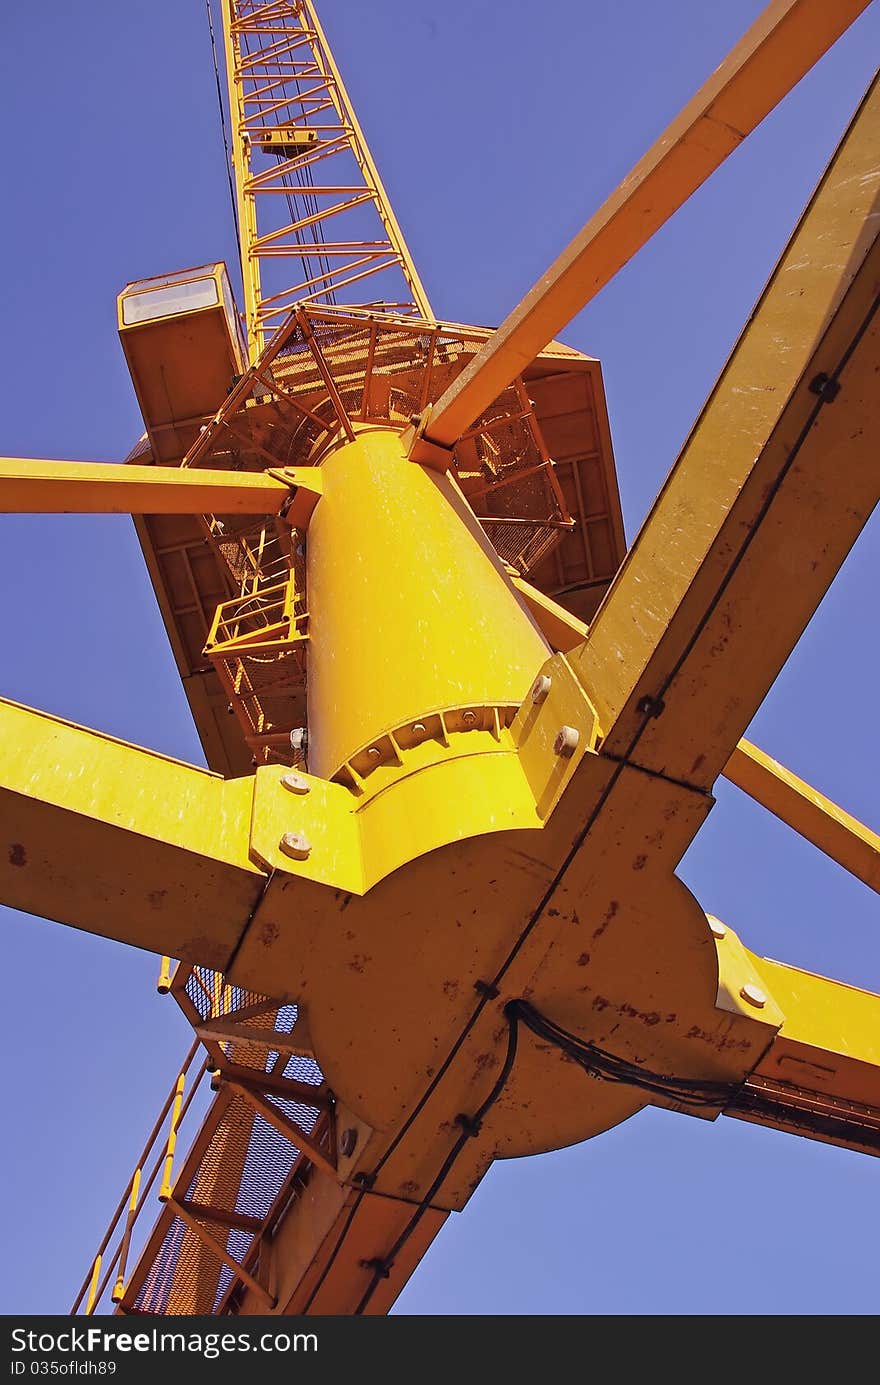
[
  {"x": 110, "y": 1263},
  {"x": 262, "y": 620},
  {"x": 267, "y": 1125}
]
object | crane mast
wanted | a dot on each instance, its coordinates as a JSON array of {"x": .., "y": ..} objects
[
  {"x": 459, "y": 738},
  {"x": 309, "y": 196}
]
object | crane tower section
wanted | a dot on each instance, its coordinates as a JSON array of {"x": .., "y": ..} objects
[{"x": 315, "y": 223}]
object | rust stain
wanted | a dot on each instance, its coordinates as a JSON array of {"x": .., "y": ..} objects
[
  {"x": 719, "y": 1041},
  {"x": 640, "y": 861},
  {"x": 359, "y": 962},
  {"x": 610, "y": 913},
  {"x": 484, "y": 1061},
  {"x": 17, "y": 855},
  {"x": 650, "y": 1017},
  {"x": 156, "y": 898},
  {"x": 584, "y": 959},
  {"x": 450, "y": 989},
  {"x": 268, "y": 933}
]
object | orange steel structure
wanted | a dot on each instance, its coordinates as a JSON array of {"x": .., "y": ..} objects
[{"x": 459, "y": 737}]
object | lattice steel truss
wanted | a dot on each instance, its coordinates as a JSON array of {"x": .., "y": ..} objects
[{"x": 315, "y": 223}]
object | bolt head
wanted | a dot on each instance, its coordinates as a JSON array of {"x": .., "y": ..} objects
[
  {"x": 418, "y": 728},
  {"x": 753, "y": 995},
  {"x": 296, "y": 845},
  {"x": 468, "y": 718},
  {"x": 540, "y": 689},
  {"x": 566, "y": 742},
  {"x": 295, "y": 783},
  {"x": 716, "y": 927}
]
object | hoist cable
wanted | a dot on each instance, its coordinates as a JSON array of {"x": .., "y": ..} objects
[{"x": 223, "y": 131}]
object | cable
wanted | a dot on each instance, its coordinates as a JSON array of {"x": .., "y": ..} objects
[
  {"x": 607, "y": 1067},
  {"x": 470, "y": 1128},
  {"x": 223, "y": 132},
  {"x": 595, "y": 1061}
]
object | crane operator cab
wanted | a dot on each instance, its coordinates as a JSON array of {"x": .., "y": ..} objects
[{"x": 182, "y": 338}]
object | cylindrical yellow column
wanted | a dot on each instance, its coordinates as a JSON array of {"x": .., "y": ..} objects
[{"x": 410, "y": 609}]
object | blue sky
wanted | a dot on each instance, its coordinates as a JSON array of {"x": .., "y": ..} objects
[{"x": 498, "y": 130}]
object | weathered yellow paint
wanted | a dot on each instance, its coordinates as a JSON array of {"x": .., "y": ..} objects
[
  {"x": 122, "y": 841},
  {"x": 553, "y": 729},
  {"x": 827, "y": 1017}
]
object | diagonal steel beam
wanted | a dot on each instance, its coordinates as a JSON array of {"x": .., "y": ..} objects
[
  {"x": 786, "y": 40},
  {"x": 770, "y": 492},
  {"x": 848, "y": 842}
]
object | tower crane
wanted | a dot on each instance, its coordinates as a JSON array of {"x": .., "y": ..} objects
[{"x": 422, "y": 912}]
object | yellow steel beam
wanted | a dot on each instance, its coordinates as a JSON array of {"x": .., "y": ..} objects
[
  {"x": 771, "y": 490},
  {"x": 815, "y": 817},
  {"x": 772, "y": 57},
  {"x": 561, "y": 629},
  {"x": 123, "y": 842},
  {"x": 820, "y": 1075},
  {"x": 52, "y": 487}
]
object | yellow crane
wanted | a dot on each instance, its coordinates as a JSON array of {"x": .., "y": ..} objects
[{"x": 460, "y": 737}]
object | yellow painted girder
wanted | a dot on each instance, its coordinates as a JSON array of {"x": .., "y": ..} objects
[
  {"x": 770, "y": 492},
  {"x": 781, "y": 46},
  {"x": 61, "y": 487},
  {"x": 121, "y": 841},
  {"x": 820, "y": 1076},
  {"x": 809, "y": 812}
]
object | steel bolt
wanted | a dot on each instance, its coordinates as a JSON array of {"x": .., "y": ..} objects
[
  {"x": 296, "y": 845},
  {"x": 419, "y": 728},
  {"x": 374, "y": 752},
  {"x": 295, "y": 783},
  {"x": 754, "y": 995},
  {"x": 566, "y": 742},
  {"x": 468, "y": 718},
  {"x": 716, "y": 927},
  {"x": 540, "y": 688}
]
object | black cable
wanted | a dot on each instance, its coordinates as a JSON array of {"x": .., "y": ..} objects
[
  {"x": 223, "y": 131},
  {"x": 470, "y": 1128},
  {"x": 607, "y": 1067}
]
